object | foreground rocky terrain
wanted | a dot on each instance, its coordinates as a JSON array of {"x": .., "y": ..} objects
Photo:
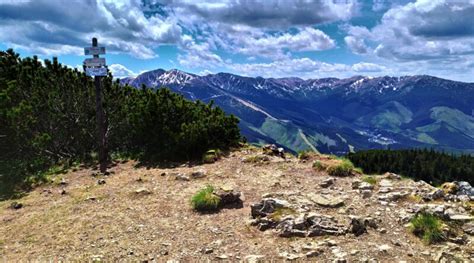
[{"x": 290, "y": 211}]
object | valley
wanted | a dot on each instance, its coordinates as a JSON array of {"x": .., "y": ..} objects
[{"x": 335, "y": 116}]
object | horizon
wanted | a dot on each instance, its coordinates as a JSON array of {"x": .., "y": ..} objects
[
  {"x": 304, "y": 79},
  {"x": 270, "y": 39}
]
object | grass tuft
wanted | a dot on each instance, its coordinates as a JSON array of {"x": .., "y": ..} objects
[
  {"x": 206, "y": 200},
  {"x": 319, "y": 166},
  {"x": 211, "y": 156},
  {"x": 305, "y": 155},
  {"x": 345, "y": 168},
  {"x": 428, "y": 227},
  {"x": 369, "y": 179}
]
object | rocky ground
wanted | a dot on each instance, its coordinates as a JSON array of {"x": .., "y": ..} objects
[{"x": 291, "y": 211}]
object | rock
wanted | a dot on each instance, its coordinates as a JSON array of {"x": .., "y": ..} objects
[
  {"x": 461, "y": 217},
  {"x": 394, "y": 196},
  {"x": 319, "y": 225},
  {"x": 371, "y": 222},
  {"x": 100, "y": 181},
  {"x": 449, "y": 188},
  {"x": 366, "y": 193},
  {"x": 182, "y": 177},
  {"x": 229, "y": 197},
  {"x": 468, "y": 228},
  {"x": 254, "y": 258},
  {"x": 357, "y": 226},
  {"x": 355, "y": 184},
  {"x": 434, "y": 195},
  {"x": 392, "y": 176},
  {"x": 327, "y": 200},
  {"x": 385, "y": 183},
  {"x": 445, "y": 256},
  {"x": 142, "y": 191},
  {"x": 384, "y": 190},
  {"x": 222, "y": 256},
  {"x": 267, "y": 206},
  {"x": 384, "y": 248},
  {"x": 16, "y": 205},
  {"x": 328, "y": 182},
  {"x": 365, "y": 186},
  {"x": 91, "y": 198},
  {"x": 63, "y": 181},
  {"x": 207, "y": 250},
  {"x": 313, "y": 253},
  {"x": 460, "y": 240},
  {"x": 198, "y": 174},
  {"x": 464, "y": 188},
  {"x": 272, "y": 149},
  {"x": 290, "y": 256}
]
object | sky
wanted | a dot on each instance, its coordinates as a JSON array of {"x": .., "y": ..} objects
[{"x": 281, "y": 38}]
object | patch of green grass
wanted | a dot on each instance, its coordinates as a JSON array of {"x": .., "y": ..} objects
[
  {"x": 345, "y": 168},
  {"x": 369, "y": 179},
  {"x": 206, "y": 200},
  {"x": 318, "y": 166},
  {"x": 281, "y": 212},
  {"x": 428, "y": 227}
]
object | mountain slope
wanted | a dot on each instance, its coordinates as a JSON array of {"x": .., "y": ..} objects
[{"x": 335, "y": 115}]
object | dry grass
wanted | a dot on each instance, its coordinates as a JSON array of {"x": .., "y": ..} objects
[{"x": 120, "y": 226}]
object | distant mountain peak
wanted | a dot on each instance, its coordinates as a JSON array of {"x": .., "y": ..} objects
[{"x": 175, "y": 76}]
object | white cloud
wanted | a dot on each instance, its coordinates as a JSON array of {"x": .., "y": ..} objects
[
  {"x": 367, "y": 67},
  {"x": 274, "y": 46},
  {"x": 423, "y": 30},
  {"x": 120, "y": 71},
  {"x": 356, "y": 45},
  {"x": 59, "y": 27},
  {"x": 276, "y": 14},
  {"x": 305, "y": 68}
]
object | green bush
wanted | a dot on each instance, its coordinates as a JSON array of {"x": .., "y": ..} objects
[
  {"x": 345, "y": 168},
  {"x": 47, "y": 116},
  {"x": 205, "y": 200},
  {"x": 428, "y": 227}
]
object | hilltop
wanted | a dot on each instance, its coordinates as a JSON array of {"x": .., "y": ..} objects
[{"x": 299, "y": 212}]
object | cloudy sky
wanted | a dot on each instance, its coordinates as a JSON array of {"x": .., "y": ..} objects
[{"x": 307, "y": 39}]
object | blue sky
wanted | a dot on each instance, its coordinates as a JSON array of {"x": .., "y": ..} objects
[{"x": 307, "y": 39}]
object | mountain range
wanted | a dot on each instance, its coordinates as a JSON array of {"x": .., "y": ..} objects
[{"x": 332, "y": 115}]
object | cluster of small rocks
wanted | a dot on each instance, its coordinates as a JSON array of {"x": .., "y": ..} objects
[
  {"x": 272, "y": 149},
  {"x": 272, "y": 213},
  {"x": 187, "y": 176}
]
